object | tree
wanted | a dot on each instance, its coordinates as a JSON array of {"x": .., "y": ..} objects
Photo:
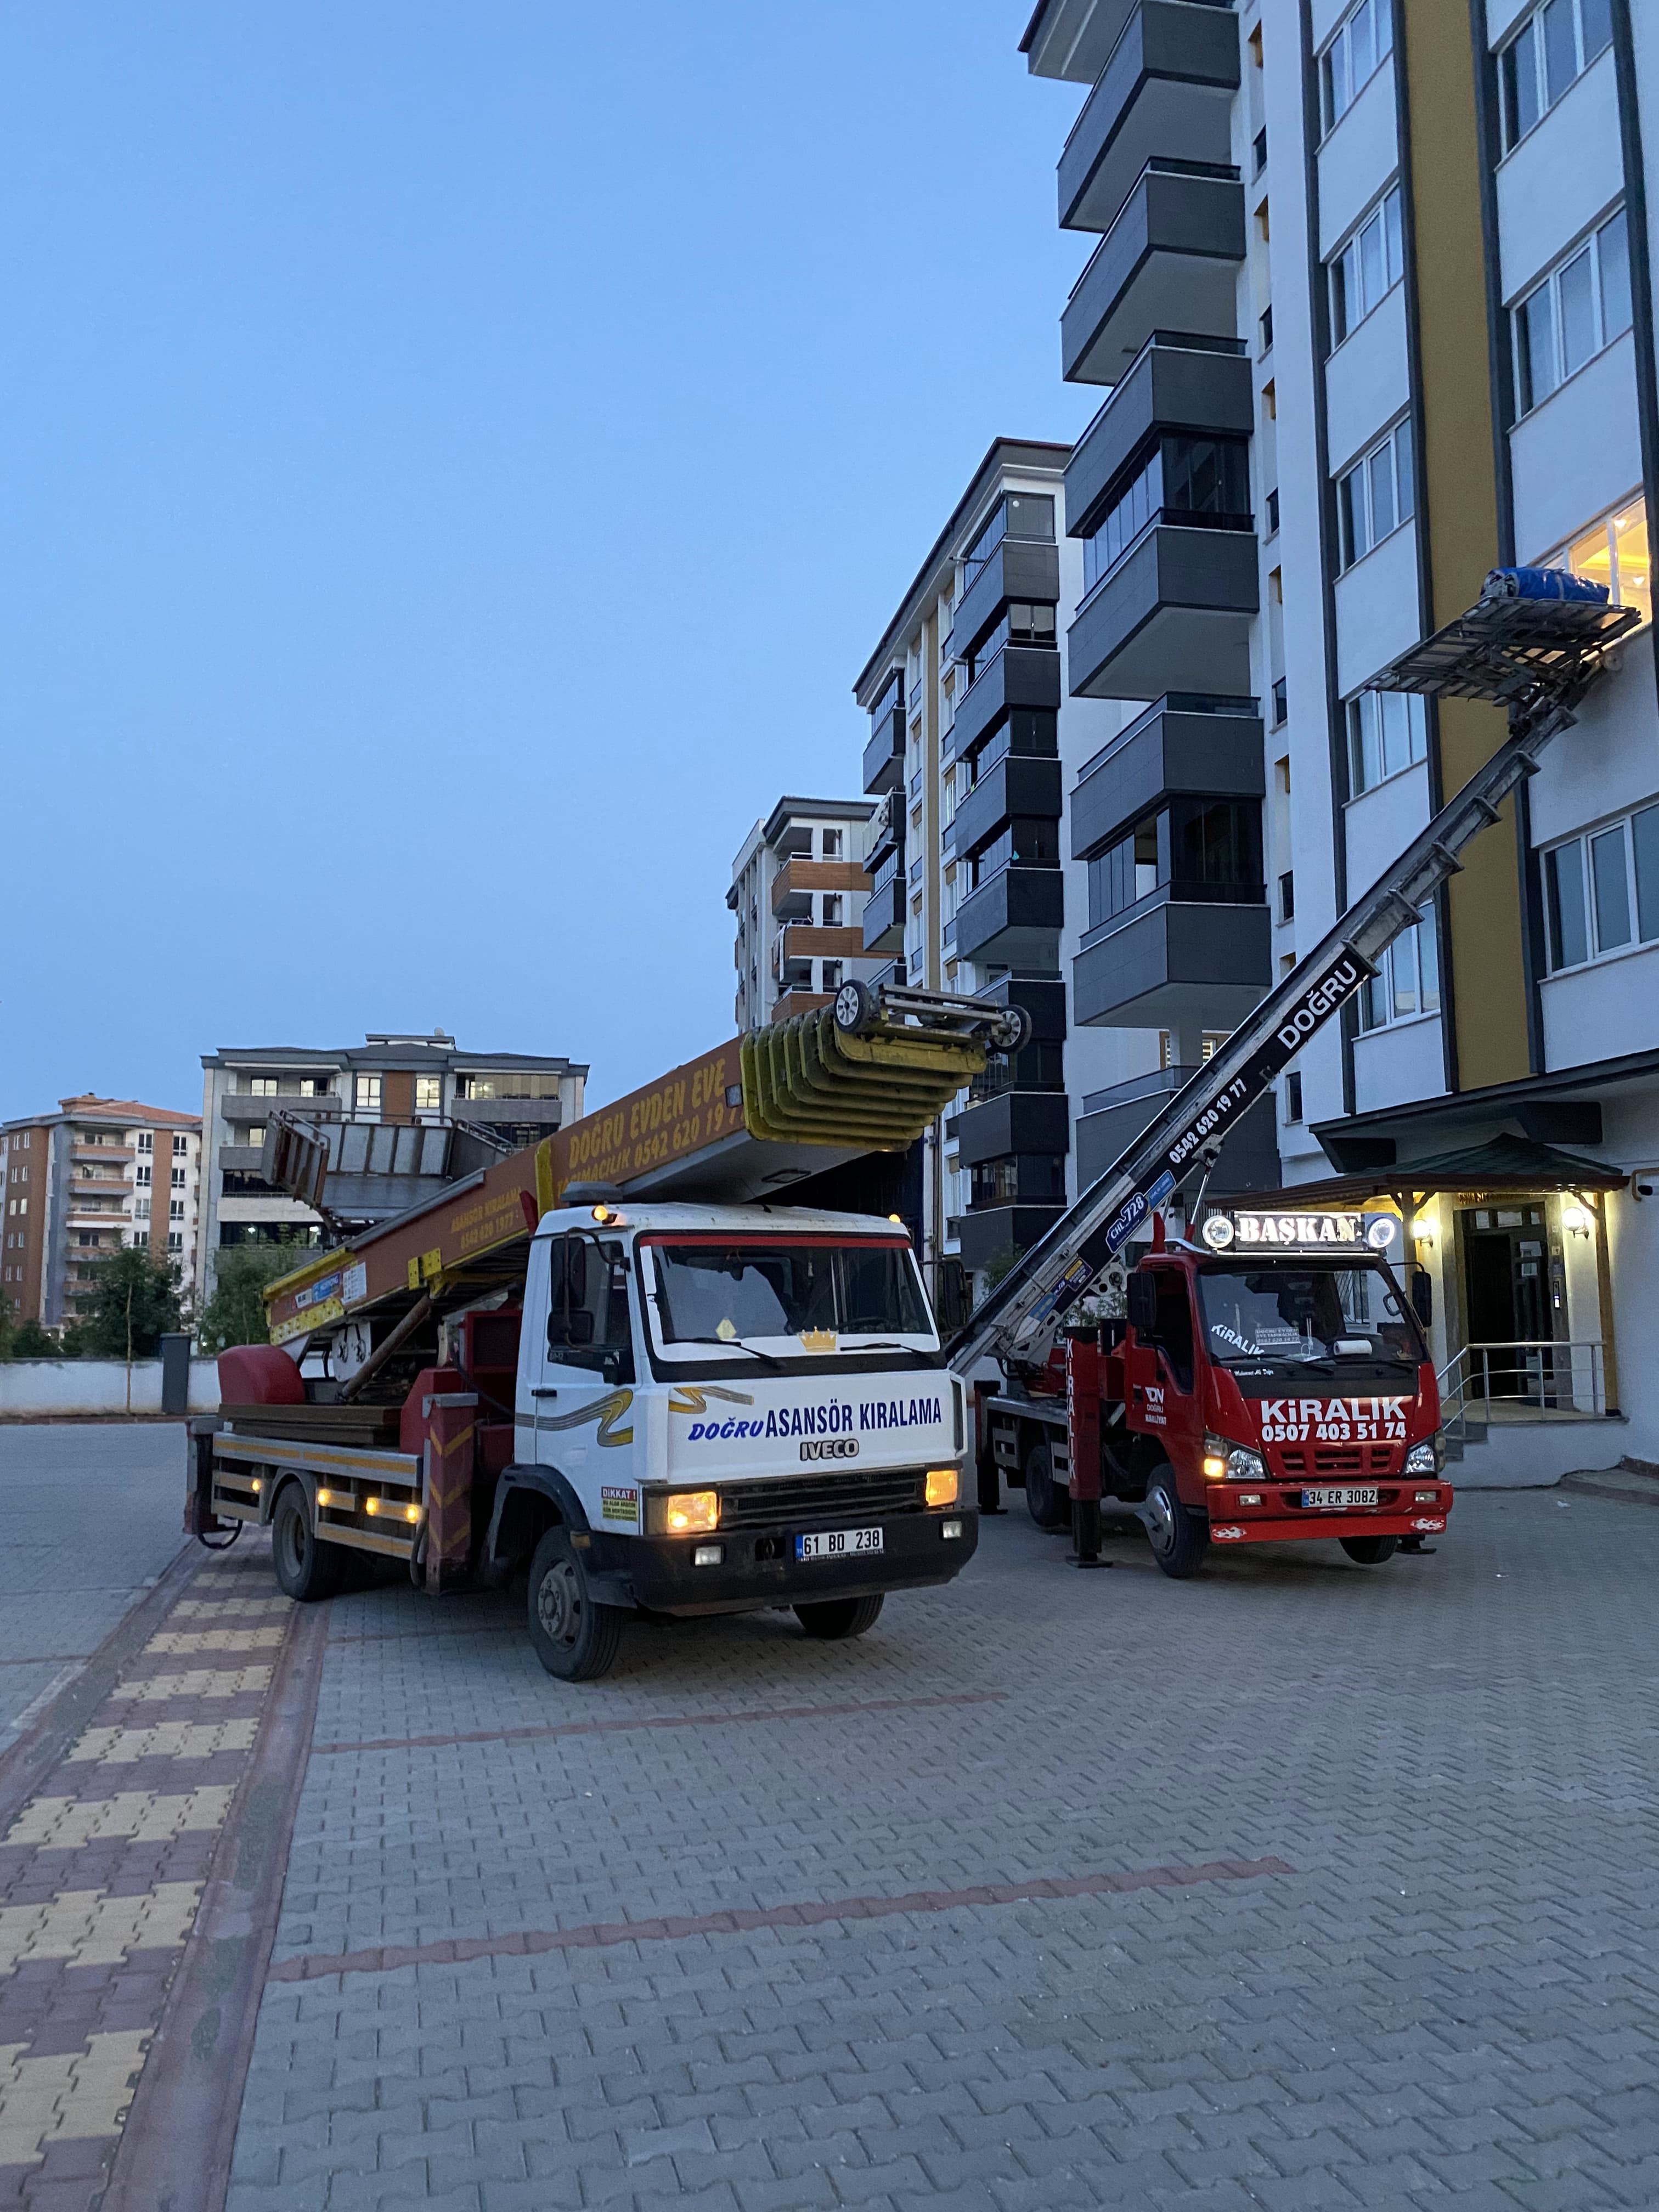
[
  {"x": 137, "y": 1299},
  {"x": 236, "y": 1314},
  {"x": 30, "y": 1341}
]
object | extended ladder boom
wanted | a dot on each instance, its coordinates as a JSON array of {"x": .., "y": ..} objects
[{"x": 1539, "y": 662}]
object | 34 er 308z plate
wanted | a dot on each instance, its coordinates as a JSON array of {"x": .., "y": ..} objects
[
  {"x": 1339, "y": 1498},
  {"x": 838, "y": 1544}
]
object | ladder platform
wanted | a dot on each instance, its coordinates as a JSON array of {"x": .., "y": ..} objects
[{"x": 1509, "y": 650}]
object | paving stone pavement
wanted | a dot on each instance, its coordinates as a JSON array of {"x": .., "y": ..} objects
[
  {"x": 1451, "y": 1999},
  {"x": 66, "y": 1578}
]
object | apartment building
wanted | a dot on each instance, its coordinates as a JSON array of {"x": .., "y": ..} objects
[
  {"x": 1370, "y": 297},
  {"x": 972, "y": 740},
  {"x": 798, "y": 891},
  {"x": 98, "y": 1176},
  {"x": 401, "y": 1114}
]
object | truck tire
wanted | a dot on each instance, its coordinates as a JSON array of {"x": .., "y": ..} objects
[
  {"x": 1012, "y": 1032},
  {"x": 575, "y": 1639},
  {"x": 306, "y": 1570},
  {"x": 1179, "y": 1537},
  {"x": 839, "y": 1618},
  {"x": 1369, "y": 1551},
  {"x": 1049, "y": 1506}
]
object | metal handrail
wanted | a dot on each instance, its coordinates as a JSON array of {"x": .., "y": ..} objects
[{"x": 1545, "y": 1372}]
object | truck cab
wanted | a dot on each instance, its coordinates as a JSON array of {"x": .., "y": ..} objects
[{"x": 724, "y": 1409}]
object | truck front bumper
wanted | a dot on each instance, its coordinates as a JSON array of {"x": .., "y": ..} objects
[
  {"x": 1401, "y": 1513},
  {"x": 758, "y": 1567}
]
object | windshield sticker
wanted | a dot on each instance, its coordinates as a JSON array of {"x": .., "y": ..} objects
[{"x": 1334, "y": 1420}]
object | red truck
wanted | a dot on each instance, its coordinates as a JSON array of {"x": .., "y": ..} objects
[{"x": 1252, "y": 1395}]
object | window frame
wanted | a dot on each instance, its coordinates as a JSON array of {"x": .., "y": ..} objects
[
  {"x": 1560, "y": 558},
  {"x": 1583, "y": 842},
  {"x": 1417, "y": 715},
  {"x": 1588, "y": 245},
  {"x": 1392, "y": 1018},
  {"x": 1529, "y": 28},
  {"x": 1405, "y": 490},
  {"x": 1381, "y": 13},
  {"x": 1344, "y": 325}
]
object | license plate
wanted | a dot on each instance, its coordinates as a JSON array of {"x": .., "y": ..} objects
[
  {"x": 1339, "y": 1498},
  {"x": 838, "y": 1544}
]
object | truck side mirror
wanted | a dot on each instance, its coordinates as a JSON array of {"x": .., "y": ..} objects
[
  {"x": 1423, "y": 1296},
  {"x": 574, "y": 1328},
  {"x": 1140, "y": 1295}
]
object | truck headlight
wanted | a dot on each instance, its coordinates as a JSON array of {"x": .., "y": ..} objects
[
  {"x": 1224, "y": 1462},
  {"x": 692, "y": 1512},
  {"x": 942, "y": 1486},
  {"x": 1423, "y": 1459}
]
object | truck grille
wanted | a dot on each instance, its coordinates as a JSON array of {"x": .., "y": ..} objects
[
  {"x": 820, "y": 1498},
  {"x": 1337, "y": 1459}
]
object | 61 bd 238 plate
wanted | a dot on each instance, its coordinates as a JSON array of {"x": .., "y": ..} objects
[{"x": 838, "y": 1544}]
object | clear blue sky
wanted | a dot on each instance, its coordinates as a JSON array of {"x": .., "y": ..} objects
[{"x": 456, "y": 459}]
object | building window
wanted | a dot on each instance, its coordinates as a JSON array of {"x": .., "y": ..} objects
[
  {"x": 1551, "y": 51},
  {"x": 1293, "y": 1097},
  {"x": 1363, "y": 42},
  {"x": 1369, "y": 267},
  {"x": 1615, "y": 553},
  {"x": 1288, "y": 896},
  {"x": 1376, "y": 496},
  {"x": 1407, "y": 980},
  {"x": 146, "y": 1141},
  {"x": 1197, "y": 849},
  {"x": 1198, "y": 482},
  {"x": 180, "y": 1147},
  {"x": 175, "y": 1240},
  {"x": 506, "y": 1083},
  {"x": 1579, "y": 308},
  {"x": 143, "y": 1175},
  {"x": 1022, "y": 623},
  {"x": 178, "y": 1178},
  {"x": 141, "y": 1208},
  {"x": 368, "y": 1094},
  {"x": 1388, "y": 731},
  {"x": 1601, "y": 890},
  {"x": 262, "y": 1086},
  {"x": 1022, "y": 843},
  {"x": 832, "y": 842},
  {"x": 834, "y": 911},
  {"x": 428, "y": 1094},
  {"x": 831, "y": 975},
  {"x": 175, "y": 1209}
]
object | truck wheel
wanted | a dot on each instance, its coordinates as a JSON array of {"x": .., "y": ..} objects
[
  {"x": 1369, "y": 1551},
  {"x": 1012, "y": 1032},
  {"x": 838, "y": 1617},
  {"x": 1179, "y": 1537},
  {"x": 1049, "y": 1506},
  {"x": 306, "y": 1570},
  {"x": 572, "y": 1637}
]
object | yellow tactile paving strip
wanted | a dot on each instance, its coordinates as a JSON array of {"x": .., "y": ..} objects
[
  {"x": 67, "y": 2097},
  {"x": 147, "y": 1816},
  {"x": 100, "y": 1877},
  {"x": 207, "y": 1682}
]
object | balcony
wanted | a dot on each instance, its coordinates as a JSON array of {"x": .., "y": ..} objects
[
  {"x": 1073, "y": 39},
  {"x": 1016, "y": 569},
  {"x": 86, "y": 1187},
  {"x": 1019, "y": 784},
  {"x": 800, "y": 1002},
  {"x": 1012, "y": 922},
  {"x": 799, "y": 879},
  {"x": 1014, "y": 1122},
  {"x": 1175, "y": 384},
  {"x": 802, "y": 940},
  {"x": 1018, "y": 676},
  {"x": 989, "y": 1236},
  {"x": 1043, "y": 998},
  {"x": 1167, "y": 962},
  {"x": 883, "y": 916},
  {"x": 1171, "y": 751},
  {"x": 1167, "y": 91},
  {"x": 1112, "y": 1119},
  {"x": 242, "y": 1106},
  {"x": 883, "y": 756},
  {"x": 1169, "y": 262},
  {"x": 1174, "y": 615}
]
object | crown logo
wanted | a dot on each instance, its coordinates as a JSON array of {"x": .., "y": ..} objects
[{"x": 817, "y": 1340}]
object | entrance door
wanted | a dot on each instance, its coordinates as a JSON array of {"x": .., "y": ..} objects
[{"x": 1507, "y": 1279}]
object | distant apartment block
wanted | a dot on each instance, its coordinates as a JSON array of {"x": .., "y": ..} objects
[
  {"x": 98, "y": 1174},
  {"x": 402, "y": 1114},
  {"x": 798, "y": 892}
]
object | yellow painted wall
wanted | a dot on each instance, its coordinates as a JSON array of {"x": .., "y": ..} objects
[{"x": 1488, "y": 967}]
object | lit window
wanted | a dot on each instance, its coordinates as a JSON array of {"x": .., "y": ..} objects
[
  {"x": 262, "y": 1086},
  {"x": 1363, "y": 40},
  {"x": 1551, "y": 51},
  {"x": 368, "y": 1094},
  {"x": 1387, "y": 731},
  {"x": 428, "y": 1094},
  {"x": 1407, "y": 980},
  {"x": 1615, "y": 554},
  {"x": 1367, "y": 267},
  {"x": 1601, "y": 890},
  {"x": 1578, "y": 309},
  {"x": 1376, "y": 496}
]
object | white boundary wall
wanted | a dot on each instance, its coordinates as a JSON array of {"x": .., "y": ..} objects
[{"x": 46, "y": 1387}]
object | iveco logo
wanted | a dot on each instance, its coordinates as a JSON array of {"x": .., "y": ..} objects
[{"x": 830, "y": 1448}]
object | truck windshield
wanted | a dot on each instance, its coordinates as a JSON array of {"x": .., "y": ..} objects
[
  {"x": 1286, "y": 1315},
  {"x": 774, "y": 1296}
]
